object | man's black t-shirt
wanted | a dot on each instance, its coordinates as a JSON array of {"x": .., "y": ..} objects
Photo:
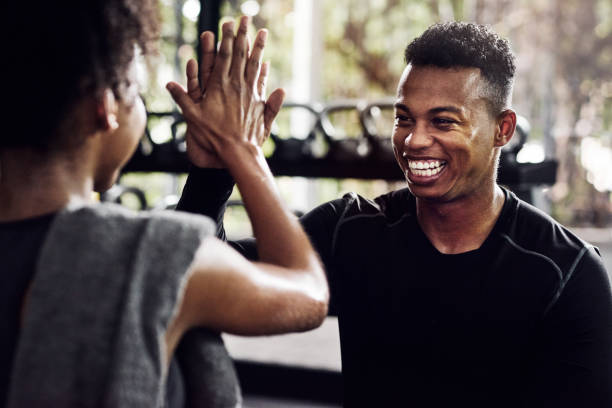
[{"x": 525, "y": 320}]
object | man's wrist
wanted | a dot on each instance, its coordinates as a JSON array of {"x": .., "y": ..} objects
[
  {"x": 210, "y": 175},
  {"x": 209, "y": 186}
]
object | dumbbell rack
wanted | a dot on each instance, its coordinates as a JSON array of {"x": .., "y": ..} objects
[{"x": 364, "y": 155}]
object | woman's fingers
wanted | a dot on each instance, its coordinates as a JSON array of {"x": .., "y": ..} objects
[
  {"x": 207, "y": 58},
  {"x": 240, "y": 51},
  {"x": 235, "y": 83},
  {"x": 252, "y": 68}
]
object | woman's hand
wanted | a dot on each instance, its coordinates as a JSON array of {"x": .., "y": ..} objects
[
  {"x": 201, "y": 154},
  {"x": 225, "y": 107}
]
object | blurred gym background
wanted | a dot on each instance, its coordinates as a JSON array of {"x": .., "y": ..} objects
[{"x": 340, "y": 62}]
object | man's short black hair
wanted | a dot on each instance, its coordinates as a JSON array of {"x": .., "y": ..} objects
[{"x": 459, "y": 44}]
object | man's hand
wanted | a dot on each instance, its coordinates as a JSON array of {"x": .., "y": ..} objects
[{"x": 224, "y": 107}]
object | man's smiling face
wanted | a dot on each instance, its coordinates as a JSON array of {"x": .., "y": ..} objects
[{"x": 443, "y": 137}]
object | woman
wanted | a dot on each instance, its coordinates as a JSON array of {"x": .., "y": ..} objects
[{"x": 96, "y": 299}]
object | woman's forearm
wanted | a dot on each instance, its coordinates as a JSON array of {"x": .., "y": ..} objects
[{"x": 280, "y": 238}]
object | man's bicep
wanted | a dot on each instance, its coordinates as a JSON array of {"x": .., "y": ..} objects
[
  {"x": 320, "y": 225},
  {"x": 246, "y": 247},
  {"x": 574, "y": 360}
]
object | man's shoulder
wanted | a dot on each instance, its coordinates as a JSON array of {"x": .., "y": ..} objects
[
  {"x": 534, "y": 233},
  {"x": 390, "y": 207},
  {"x": 534, "y": 227}
]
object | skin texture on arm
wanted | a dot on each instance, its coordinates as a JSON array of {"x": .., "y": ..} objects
[
  {"x": 207, "y": 190},
  {"x": 250, "y": 298},
  {"x": 286, "y": 290}
]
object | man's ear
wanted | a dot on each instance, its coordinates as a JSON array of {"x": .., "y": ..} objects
[
  {"x": 506, "y": 125},
  {"x": 107, "y": 110}
]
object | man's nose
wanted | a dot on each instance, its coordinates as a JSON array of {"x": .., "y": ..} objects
[{"x": 418, "y": 138}]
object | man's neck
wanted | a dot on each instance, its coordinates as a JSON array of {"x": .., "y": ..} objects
[
  {"x": 30, "y": 187},
  {"x": 461, "y": 225}
]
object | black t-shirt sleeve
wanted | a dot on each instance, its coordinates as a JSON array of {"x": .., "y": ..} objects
[
  {"x": 574, "y": 359},
  {"x": 206, "y": 192},
  {"x": 320, "y": 224}
]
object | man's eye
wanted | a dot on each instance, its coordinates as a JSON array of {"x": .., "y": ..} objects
[
  {"x": 403, "y": 119},
  {"x": 444, "y": 122}
]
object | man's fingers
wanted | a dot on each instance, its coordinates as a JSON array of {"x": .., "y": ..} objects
[
  {"x": 182, "y": 99},
  {"x": 207, "y": 59},
  {"x": 224, "y": 55},
  {"x": 240, "y": 51},
  {"x": 252, "y": 68},
  {"x": 273, "y": 106},
  {"x": 262, "y": 81},
  {"x": 193, "y": 84}
]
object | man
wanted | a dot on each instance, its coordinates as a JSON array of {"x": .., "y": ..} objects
[{"x": 453, "y": 292}]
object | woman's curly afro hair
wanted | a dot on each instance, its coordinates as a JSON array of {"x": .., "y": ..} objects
[{"x": 62, "y": 51}]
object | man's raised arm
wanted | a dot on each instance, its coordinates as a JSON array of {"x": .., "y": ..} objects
[
  {"x": 286, "y": 290},
  {"x": 210, "y": 184},
  {"x": 206, "y": 192}
]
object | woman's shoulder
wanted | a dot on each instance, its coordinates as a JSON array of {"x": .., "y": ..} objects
[{"x": 116, "y": 217}]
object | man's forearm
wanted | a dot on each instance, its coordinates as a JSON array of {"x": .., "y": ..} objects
[{"x": 206, "y": 192}]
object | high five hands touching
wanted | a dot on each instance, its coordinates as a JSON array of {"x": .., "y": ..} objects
[
  {"x": 225, "y": 106},
  {"x": 228, "y": 119}
]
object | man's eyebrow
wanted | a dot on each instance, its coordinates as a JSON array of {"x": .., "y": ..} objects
[
  {"x": 433, "y": 111},
  {"x": 441, "y": 109},
  {"x": 401, "y": 106}
]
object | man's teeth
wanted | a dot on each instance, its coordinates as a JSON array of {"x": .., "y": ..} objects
[{"x": 426, "y": 167}]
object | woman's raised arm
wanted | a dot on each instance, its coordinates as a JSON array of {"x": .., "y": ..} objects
[{"x": 287, "y": 289}]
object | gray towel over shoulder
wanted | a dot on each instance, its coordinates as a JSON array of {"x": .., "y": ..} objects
[{"x": 106, "y": 287}]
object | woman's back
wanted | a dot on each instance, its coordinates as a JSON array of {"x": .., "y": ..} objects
[
  {"x": 20, "y": 243},
  {"x": 107, "y": 284}
]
